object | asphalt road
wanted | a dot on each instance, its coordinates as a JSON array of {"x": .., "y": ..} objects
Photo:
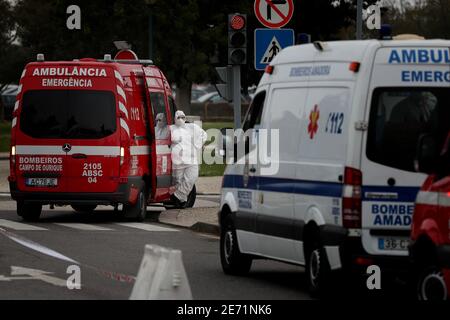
[{"x": 106, "y": 246}]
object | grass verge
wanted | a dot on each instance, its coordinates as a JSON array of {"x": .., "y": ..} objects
[{"x": 215, "y": 170}]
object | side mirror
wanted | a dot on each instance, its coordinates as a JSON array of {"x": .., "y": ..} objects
[{"x": 427, "y": 154}]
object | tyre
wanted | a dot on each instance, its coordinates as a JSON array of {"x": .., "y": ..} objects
[
  {"x": 431, "y": 285},
  {"x": 138, "y": 211},
  {"x": 191, "y": 198},
  {"x": 233, "y": 261},
  {"x": 84, "y": 208},
  {"x": 29, "y": 211},
  {"x": 317, "y": 269}
]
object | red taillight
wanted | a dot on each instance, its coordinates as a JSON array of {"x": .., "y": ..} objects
[
  {"x": 353, "y": 177},
  {"x": 270, "y": 69},
  {"x": 354, "y": 66},
  {"x": 352, "y": 200},
  {"x": 364, "y": 261}
]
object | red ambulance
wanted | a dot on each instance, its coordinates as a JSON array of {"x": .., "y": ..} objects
[
  {"x": 430, "y": 248},
  {"x": 92, "y": 132}
]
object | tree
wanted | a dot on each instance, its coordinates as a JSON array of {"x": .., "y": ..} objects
[
  {"x": 42, "y": 27},
  {"x": 189, "y": 35},
  {"x": 430, "y": 18},
  {"x": 6, "y": 48}
]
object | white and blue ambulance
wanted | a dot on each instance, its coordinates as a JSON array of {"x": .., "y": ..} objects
[{"x": 349, "y": 116}]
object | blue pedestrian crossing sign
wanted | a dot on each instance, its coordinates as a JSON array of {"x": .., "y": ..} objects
[{"x": 268, "y": 43}]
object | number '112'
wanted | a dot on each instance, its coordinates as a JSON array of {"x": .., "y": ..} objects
[{"x": 335, "y": 123}]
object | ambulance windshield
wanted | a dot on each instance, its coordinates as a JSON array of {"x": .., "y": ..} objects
[
  {"x": 399, "y": 117},
  {"x": 68, "y": 114}
]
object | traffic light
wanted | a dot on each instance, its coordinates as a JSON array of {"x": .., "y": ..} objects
[{"x": 237, "y": 39}]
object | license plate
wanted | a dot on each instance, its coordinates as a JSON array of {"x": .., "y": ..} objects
[
  {"x": 393, "y": 244},
  {"x": 42, "y": 182}
]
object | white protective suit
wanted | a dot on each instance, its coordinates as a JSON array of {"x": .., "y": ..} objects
[
  {"x": 187, "y": 143},
  {"x": 161, "y": 129}
]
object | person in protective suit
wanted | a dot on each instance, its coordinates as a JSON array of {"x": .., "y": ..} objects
[
  {"x": 188, "y": 140},
  {"x": 161, "y": 129}
]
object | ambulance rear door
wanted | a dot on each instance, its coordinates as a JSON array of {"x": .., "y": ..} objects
[
  {"x": 161, "y": 148},
  {"x": 41, "y": 160},
  {"x": 93, "y": 133},
  {"x": 409, "y": 87}
]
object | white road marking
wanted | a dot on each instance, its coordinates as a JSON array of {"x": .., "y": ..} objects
[
  {"x": 146, "y": 227},
  {"x": 34, "y": 274},
  {"x": 82, "y": 227},
  {"x": 19, "y": 226},
  {"x": 36, "y": 247}
]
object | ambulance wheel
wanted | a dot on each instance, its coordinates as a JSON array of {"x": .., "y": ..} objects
[
  {"x": 431, "y": 285},
  {"x": 29, "y": 211},
  {"x": 84, "y": 208},
  {"x": 233, "y": 261},
  {"x": 317, "y": 268},
  {"x": 191, "y": 198},
  {"x": 138, "y": 211}
]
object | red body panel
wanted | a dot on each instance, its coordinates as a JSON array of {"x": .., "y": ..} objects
[{"x": 432, "y": 215}]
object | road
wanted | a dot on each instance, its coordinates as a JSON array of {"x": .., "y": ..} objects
[
  {"x": 108, "y": 248},
  {"x": 105, "y": 246}
]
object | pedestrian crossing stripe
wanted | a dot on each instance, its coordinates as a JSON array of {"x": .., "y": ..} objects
[
  {"x": 82, "y": 227},
  {"x": 146, "y": 227},
  {"x": 272, "y": 50},
  {"x": 18, "y": 226}
]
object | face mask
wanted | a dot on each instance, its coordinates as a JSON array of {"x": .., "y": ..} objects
[
  {"x": 160, "y": 124},
  {"x": 180, "y": 122}
]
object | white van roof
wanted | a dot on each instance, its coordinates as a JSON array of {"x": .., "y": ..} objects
[{"x": 346, "y": 51}]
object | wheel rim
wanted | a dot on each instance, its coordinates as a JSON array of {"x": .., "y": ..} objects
[
  {"x": 228, "y": 246},
  {"x": 433, "y": 287},
  {"x": 314, "y": 267}
]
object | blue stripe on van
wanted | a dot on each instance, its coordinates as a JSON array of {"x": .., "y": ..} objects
[{"x": 315, "y": 188}]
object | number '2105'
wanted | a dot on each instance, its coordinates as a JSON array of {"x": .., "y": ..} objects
[{"x": 335, "y": 123}]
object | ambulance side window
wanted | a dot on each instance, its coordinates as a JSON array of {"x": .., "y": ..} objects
[
  {"x": 172, "y": 109},
  {"x": 254, "y": 114},
  {"x": 399, "y": 117},
  {"x": 157, "y": 100}
]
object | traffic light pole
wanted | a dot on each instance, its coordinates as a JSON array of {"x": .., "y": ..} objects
[{"x": 237, "y": 96}]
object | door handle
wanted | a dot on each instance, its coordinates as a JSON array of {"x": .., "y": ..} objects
[
  {"x": 79, "y": 156},
  {"x": 252, "y": 170}
]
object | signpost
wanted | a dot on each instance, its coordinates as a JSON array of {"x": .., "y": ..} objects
[{"x": 359, "y": 20}]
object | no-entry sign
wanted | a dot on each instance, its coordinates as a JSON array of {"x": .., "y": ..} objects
[{"x": 274, "y": 13}]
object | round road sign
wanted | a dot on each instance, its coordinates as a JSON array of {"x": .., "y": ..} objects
[{"x": 274, "y": 13}]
